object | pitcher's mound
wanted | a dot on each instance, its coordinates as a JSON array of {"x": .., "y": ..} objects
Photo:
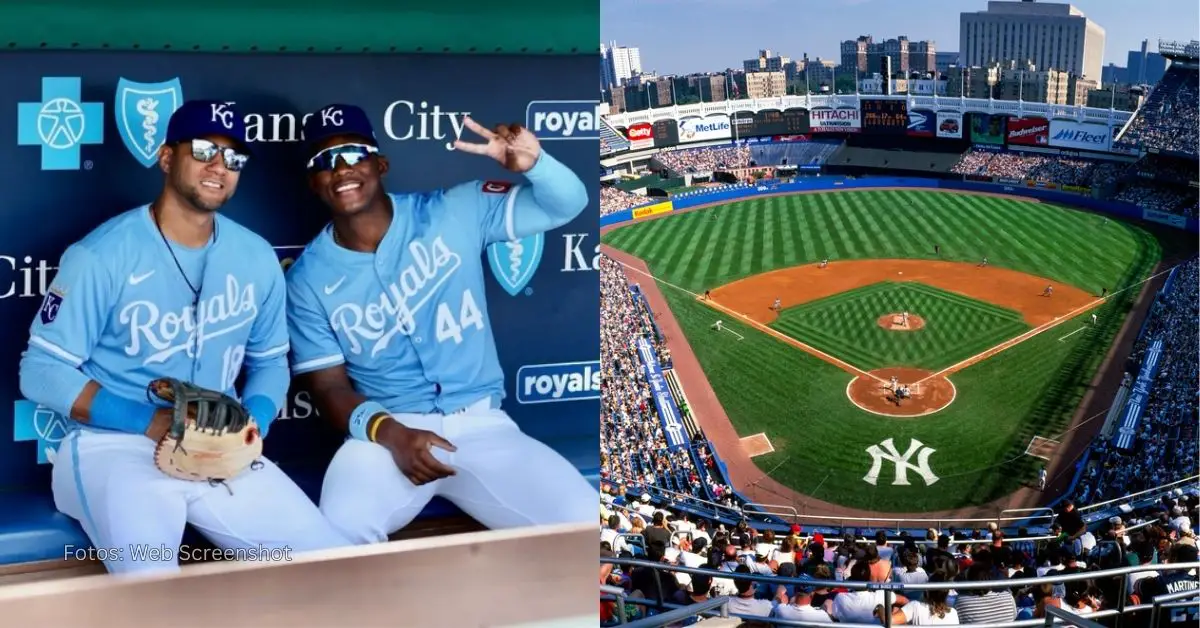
[
  {"x": 900, "y": 322},
  {"x": 876, "y": 396}
]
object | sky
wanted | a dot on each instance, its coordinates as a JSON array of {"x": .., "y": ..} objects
[{"x": 684, "y": 36}]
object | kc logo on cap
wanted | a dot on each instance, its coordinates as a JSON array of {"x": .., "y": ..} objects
[
  {"x": 338, "y": 120},
  {"x": 331, "y": 116},
  {"x": 222, "y": 114}
]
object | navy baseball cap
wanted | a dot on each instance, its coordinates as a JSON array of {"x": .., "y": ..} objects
[
  {"x": 332, "y": 120},
  {"x": 201, "y": 118}
]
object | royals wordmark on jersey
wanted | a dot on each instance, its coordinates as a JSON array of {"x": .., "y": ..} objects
[
  {"x": 410, "y": 322},
  {"x": 119, "y": 310}
]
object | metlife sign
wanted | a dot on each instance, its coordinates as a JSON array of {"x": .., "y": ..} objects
[
  {"x": 705, "y": 129},
  {"x": 1071, "y": 134}
]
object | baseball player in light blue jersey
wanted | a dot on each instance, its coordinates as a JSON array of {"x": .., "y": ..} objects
[
  {"x": 390, "y": 328},
  {"x": 170, "y": 289}
]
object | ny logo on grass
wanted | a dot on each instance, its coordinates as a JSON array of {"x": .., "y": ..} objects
[{"x": 888, "y": 452}]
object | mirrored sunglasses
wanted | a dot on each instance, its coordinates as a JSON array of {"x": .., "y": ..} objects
[
  {"x": 206, "y": 151},
  {"x": 350, "y": 154}
]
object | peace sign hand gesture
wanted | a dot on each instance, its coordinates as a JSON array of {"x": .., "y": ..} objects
[{"x": 514, "y": 146}]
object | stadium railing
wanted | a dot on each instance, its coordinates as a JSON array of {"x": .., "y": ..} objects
[
  {"x": 1150, "y": 494},
  {"x": 1044, "y": 517},
  {"x": 889, "y": 589}
]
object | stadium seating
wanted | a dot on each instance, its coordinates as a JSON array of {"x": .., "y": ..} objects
[
  {"x": 793, "y": 153},
  {"x": 1169, "y": 120},
  {"x": 613, "y": 200},
  {"x": 706, "y": 159},
  {"x": 611, "y": 141},
  {"x": 1167, "y": 432}
]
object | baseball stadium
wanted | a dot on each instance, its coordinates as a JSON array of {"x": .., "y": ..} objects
[{"x": 899, "y": 318}]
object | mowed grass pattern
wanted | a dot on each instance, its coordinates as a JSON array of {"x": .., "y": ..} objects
[
  {"x": 799, "y": 401},
  {"x": 846, "y": 325}
]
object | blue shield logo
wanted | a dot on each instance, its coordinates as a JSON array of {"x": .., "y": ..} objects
[
  {"x": 514, "y": 262},
  {"x": 35, "y": 422},
  {"x": 50, "y": 307},
  {"x": 143, "y": 110}
]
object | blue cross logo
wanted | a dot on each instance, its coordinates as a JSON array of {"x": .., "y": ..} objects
[
  {"x": 60, "y": 123},
  {"x": 33, "y": 421}
]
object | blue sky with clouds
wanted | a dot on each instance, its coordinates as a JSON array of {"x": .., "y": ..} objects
[{"x": 682, "y": 36}]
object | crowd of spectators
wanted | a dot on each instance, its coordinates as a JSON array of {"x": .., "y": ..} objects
[
  {"x": 706, "y": 159},
  {"x": 633, "y": 447},
  {"x": 1181, "y": 201},
  {"x": 1170, "y": 118},
  {"x": 1163, "y": 535},
  {"x": 1060, "y": 170},
  {"x": 1165, "y": 443},
  {"x": 613, "y": 200}
]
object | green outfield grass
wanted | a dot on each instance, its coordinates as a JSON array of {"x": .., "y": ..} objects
[
  {"x": 799, "y": 401},
  {"x": 845, "y": 325}
]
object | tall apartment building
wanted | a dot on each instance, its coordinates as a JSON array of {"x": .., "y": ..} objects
[
  {"x": 972, "y": 82},
  {"x": 1048, "y": 35},
  {"x": 619, "y": 64},
  {"x": 907, "y": 56},
  {"x": 766, "y": 84}
]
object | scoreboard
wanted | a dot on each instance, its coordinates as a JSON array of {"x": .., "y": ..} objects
[
  {"x": 666, "y": 133},
  {"x": 884, "y": 116},
  {"x": 772, "y": 122}
]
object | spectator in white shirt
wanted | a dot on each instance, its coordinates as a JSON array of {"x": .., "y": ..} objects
[
  {"x": 800, "y": 608},
  {"x": 859, "y": 606},
  {"x": 745, "y": 603},
  {"x": 933, "y": 610}
]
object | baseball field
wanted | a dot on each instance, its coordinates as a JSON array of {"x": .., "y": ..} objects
[{"x": 995, "y": 357}]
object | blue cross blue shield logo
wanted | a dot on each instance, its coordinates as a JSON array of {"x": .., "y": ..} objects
[
  {"x": 514, "y": 262},
  {"x": 60, "y": 123},
  {"x": 143, "y": 110},
  {"x": 32, "y": 421}
]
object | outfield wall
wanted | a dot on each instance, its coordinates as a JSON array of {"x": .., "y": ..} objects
[{"x": 1121, "y": 210}]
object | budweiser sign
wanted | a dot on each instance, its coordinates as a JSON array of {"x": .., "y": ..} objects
[{"x": 1029, "y": 131}]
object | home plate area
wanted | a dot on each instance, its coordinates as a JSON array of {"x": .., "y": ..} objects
[
  {"x": 1040, "y": 447},
  {"x": 757, "y": 445}
]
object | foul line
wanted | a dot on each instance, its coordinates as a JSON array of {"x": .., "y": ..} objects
[
  {"x": 1072, "y": 333},
  {"x": 846, "y": 366},
  {"x": 1059, "y": 320}
]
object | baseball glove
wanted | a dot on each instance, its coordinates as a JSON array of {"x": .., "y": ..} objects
[{"x": 211, "y": 438}]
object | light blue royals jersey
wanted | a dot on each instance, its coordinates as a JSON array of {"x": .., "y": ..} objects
[
  {"x": 410, "y": 321},
  {"x": 120, "y": 311}
]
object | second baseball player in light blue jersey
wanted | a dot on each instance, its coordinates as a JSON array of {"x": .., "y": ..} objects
[
  {"x": 171, "y": 289},
  {"x": 410, "y": 321},
  {"x": 390, "y": 327}
]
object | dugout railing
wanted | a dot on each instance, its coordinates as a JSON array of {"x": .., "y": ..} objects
[{"x": 1117, "y": 615}]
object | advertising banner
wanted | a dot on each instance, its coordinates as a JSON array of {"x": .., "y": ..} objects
[
  {"x": 949, "y": 124},
  {"x": 922, "y": 123},
  {"x": 665, "y": 133},
  {"x": 987, "y": 128},
  {"x": 884, "y": 116},
  {"x": 79, "y": 140},
  {"x": 706, "y": 129},
  {"x": 1174, "y": 220},
  {"x": 640, "y": 136},
  {"x": 663, "y": 401},
  {"x": 1028, "y": 131},
  {"x": 651, "y": 210},
  {"x": 1071, "y": 134},
  {"x": 1136, "y": 404},
  {"x": 843, "y": 120}
]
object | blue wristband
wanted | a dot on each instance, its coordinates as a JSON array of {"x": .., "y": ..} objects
[
  {"x": 361, "y": 416},
  {"x": 262, "y": 411},
  {"x": 109, "y": 411}
]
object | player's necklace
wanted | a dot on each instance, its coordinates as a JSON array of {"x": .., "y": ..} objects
[{"x": 195, "y": 290}]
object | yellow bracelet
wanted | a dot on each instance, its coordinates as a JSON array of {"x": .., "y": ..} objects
[{"x": 376, "y": 421}]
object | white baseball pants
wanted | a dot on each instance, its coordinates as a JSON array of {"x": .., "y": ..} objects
[
  {"x": 505, "y": 479},
  {"x": 135, "y": 514}
]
